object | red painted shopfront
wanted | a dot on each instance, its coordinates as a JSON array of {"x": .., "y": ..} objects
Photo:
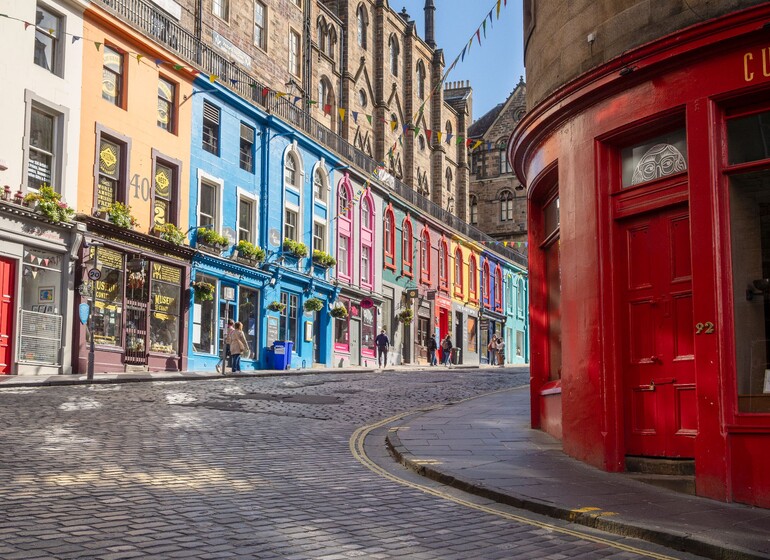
[{"x": 649, "y": 200}]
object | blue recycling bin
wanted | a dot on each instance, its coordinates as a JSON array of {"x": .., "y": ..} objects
[{"x": 282, "y": 354}]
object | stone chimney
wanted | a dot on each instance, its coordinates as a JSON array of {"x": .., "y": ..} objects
[{"x": 430, "y": 12}]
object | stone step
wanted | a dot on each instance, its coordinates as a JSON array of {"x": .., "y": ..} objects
[
  {"x": 683, "y": 484},
  {"x": 660, "y": 466}
]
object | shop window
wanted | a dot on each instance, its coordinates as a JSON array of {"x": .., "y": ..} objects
[
  {"x": 165, "y": 306},
  {"x": 210, "y": 130},
  {"x": 748, "y": 138},
  {"x": 247, "y": 148},
  {"x": 342, "y": 329},
  {"x": 519, "y": 343},
  {"x": 473, "y": 276},
  {"x": 165, "y": 193},
  {"x": 288, "y": 323},
  {"x": 368, "y": 330},
  {"x": 389, "y": 240},
  {"x": 166, "y": 105},
  {"x": 652, "y": 159},
  {"x": 423, "y": 331},
  {"x": 108, "y": 299},
  {"x": 551, "y": 249},
  {"x": 260, "y": 25},
  {"x": 113, "y": 76},
  {"x": 458, "y": 272},
  {"x": 40, "y": 328},
  {"x": 319, "y": 236},
  {"x": 248, "y": 314},
  {"x": 204, "y": 334},
  {"x": 48, "y": 52},
  {"x": 111, "y": 186},
  {"x": 407, "y": 258},
  {"x": 471, "y": 329},
  {"x": 246, "y": 219},
  {"x": 43, "y": 145}
]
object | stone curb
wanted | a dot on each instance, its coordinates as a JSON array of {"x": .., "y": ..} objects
[{"x": 670, "y": 539}]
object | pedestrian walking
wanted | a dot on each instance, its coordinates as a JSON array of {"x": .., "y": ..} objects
[
  {"x": 500, "y": 351},
  {"x": 492, "y": 350},
  {"x": 446, "y": 350},
  {"x": 432, "y": 349},
  {"x": 238, "y": 346},
  {"x": 383, "y": 344}
]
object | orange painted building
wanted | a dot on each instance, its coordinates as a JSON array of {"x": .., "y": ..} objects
[{"x": 134, "y": 152}]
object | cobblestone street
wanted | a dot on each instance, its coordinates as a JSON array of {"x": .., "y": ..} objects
[{"x": 242, "y": 468}]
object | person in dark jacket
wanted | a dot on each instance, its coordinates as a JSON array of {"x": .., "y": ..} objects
[
  {"x": 446, "y": 350},
  {"x": 432, "y": 349},
  {"x": 383, "y": 343}
]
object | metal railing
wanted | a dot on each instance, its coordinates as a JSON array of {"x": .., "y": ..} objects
[{"x": 156, "y": 25}]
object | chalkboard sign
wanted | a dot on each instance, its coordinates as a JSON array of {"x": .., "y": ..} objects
[{"x": 272, "y": 330}]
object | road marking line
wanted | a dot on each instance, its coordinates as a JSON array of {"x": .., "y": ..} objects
[{"x": 356, "y": 444}]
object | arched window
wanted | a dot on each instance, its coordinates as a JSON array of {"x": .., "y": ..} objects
[
  {"x": 458, "y": 282},
  {"x": 322, "y": 34},
  {"x": 498, "y": 288},
  {"x": 473, "y": 278},
  {"x": 448, "y": 176},
  {"x": 331, "y": 42},
  {"x": 506, "y": 206},
  {"x": 319, "y": 185},
  {"x": 366, "y": 239},
  {"x": 407, "y": 262},
  {"x": 290, "y": 172},
  {"x": 362, "y": 24},
  {"x": 425, "y": 256},
  {"x": 394, "y": 51},
  {"x": 505, "y": 165},
  {"x": 443, "y": 265},
  {"x": 420, "y": 80},
  {"x": 448, "y": 127},
  {"x": 473, "y": 205},
  {"x": 520, "y": 301},
  {"x": 344, "y": 230},
  {"x": 326, "y": 96},
  {"x": 486, "y": 283},
  {"x": 389, "y": 241}
]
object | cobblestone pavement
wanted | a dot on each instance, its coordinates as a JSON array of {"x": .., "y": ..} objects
[{"x": 243, "y": 468}]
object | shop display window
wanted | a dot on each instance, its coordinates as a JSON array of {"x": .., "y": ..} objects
[
  {"x": 248, "y": 314},
  {"x": 368, "y": 330},
  {"x": 40, "y": 321},
  {"x": 165, "y": 305},
  {"x": 204, "y": 321},
  {"x": 652, "y": 159},
  {"x": 342, "y": 330},
  {"x": 108, "y": 299},
  {"x": 748, "y": 138}
]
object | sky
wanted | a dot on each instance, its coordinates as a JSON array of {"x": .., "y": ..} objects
[{"x": 492, "y": 68}]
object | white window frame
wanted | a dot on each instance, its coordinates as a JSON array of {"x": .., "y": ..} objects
[
  {"x": 57, "y": 64},
  {"x": 297, "y": 228},
  {"x": 325, "y": 239},
  {"x": 265, "y": 19},
  {"x": 241, "y": 193},
  {"x": 321, "y": 168},
  {"x": 220, "y": 185},
  {"x": 221, "y": 9},
  {"x": 61, "y": 120},
  {"x": 295, "y": 67},
  {"x": 291, "y": 150}
]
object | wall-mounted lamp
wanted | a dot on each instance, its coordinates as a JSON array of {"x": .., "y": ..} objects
[
  {"x": 759, "y": 287},
  {"x": 626, "y": 70}
]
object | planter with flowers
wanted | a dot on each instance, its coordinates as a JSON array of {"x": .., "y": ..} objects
[
  {"x": 339, "y": 312},
  {"x": 313, "y": 304},
  {"x": 276, "y": 306},
  {"x": 48, "y": 203},
  {"x": 119, "y": 214},
  {"x": 203, "y": 291},
  {"x": 323, "y": 259},
  {"x": 170, "y": 233},
  {"x": 406, "y": 316},
  {"x": 210, "y": 241},
  {"x": 248, "y": 253},
  {"x": 295, "y": 248}
]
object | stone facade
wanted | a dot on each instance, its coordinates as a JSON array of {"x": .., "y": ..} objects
[
  {"x": 564, "y": 38},
  {"x": 500, "y": 198},
  {"x": 355, "y": 75}
]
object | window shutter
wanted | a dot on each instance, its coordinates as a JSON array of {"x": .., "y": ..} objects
[
  {"x": 247, "y": 133},
  {"x": 210, "y": 113}
]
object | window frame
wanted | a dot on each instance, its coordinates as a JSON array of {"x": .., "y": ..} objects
[
  {"x": 288, "y": 324},
  {"x": 318, "y": 222},
  {"x": 121, "y": 75},
  {"x": 124, "y": 146},
  {"x": 505, "y": 165},
  {"x": 407, "y": 247},
  {"x": 506, "y": 206},
  {"x": 473, "y": 208},
  {"x": 362, "y": 25},
  {"x": 253, "y": 201},
  {"x": 393, "y": 53},
  {"x": 291, "y": 209},
  {"x": 213, "y": 145},
  {"x": 261, "y": 41},
  {"x": 425, "y": 249},
  {"x": 420, "y": 80},
  {"x": 171, "y": 104},
  {"x": 367, "y": 238},
  {"x": 242, "y": 141},
  {"x": 60, "y": 116},
  {"x": 58, "y": 46},
  {"x": 389, "y": 238},
  {"x": 486, "y": 285},
  {"x": 473, "y": 278},
  {"x": 498, "y": 291},
  {"x": 320, "y": 172},
  {"x": 224, "y": 10},
  {"x": 174, "y": 191},
  {"x": 345, "y": 224},
  {"x": 443, "y": 265},
  {"x": 295, "y": 50},
  {"x": 458, "y": 273}
]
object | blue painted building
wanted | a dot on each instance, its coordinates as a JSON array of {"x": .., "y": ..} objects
[{"x": 256, "y": 180}]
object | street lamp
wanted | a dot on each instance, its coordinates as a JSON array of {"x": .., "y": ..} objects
[{"x": 93, "y": 275}]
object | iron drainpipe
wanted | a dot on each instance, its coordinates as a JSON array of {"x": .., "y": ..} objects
[{"x": 198, "y": 29}]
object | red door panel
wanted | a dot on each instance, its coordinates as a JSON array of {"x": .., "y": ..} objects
[
  {"x": 659, "y": 381},
  {"x": 7, "y": 285}
]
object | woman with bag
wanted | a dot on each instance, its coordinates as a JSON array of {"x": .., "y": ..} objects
[
  {"x": 238, "y": 345},
  {"x": 492, "y": 350}
]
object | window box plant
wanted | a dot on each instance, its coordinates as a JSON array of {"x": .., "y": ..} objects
[
  {"x": 48, "y": 203},
  {"x": 296, "y": 248},
  {"x": 169, "y": 232},
  {"x": 119, "y": 214},
  {"x": 339, "y": 312},
  {"x": 406, "y": 316},
  {"x": 313, "y": 304},
  {"x": 323, "y": 259},
  {"x": 203, "y": 291},
  {"x": 276, "y": 306},
  {"x": 247, "y": 251},
  {"x": 211, "y": 241}
]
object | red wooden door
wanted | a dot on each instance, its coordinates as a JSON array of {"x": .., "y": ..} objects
[
  {"x": 7, "y": 285},
  {"x": 658, "y": 359}
]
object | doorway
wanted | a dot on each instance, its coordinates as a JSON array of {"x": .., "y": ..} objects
[
  {"x": 459, "y": 337},
  {"x": 7, "y": 303},
  {"x": 355, "y": 342},
  {"x": 656, "y": 334}
]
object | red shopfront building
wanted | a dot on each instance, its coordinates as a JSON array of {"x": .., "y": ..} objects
[{"x": 648, "y": 181}]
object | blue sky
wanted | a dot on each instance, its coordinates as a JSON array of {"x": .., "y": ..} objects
[{"x": 493, "y": 68}]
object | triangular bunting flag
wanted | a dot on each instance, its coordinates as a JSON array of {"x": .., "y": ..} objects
[
  {"x": 464, "y": 49},
  {"x": 484, "y": 27},
  {"x": 406, "y": 127},
  {"x": 296, "y": 98},
  {"x": 264, "y": 92},
  {"x": 158, "y": 62},
  {"x": 97, "y": 45},
  {"x": 428, "y": 133},
  {"x": 139, "y": 57},
  {"x": 26, "y": 25},
  {"x": 178, "y": 67},
  {"x": 498, "y": 9},
  {"x": 355, "y": 116},
  {"x": 478, "y": 35},
  {"x": 438, "y": 136},
  {"x": 75, "y": 38},
  {"x": 232, "y": 80},
  {"x": 476, "y": 145},
  {"x": 213, "y": 78},
  {"x": 393, "y": 125},
  {"x": 416, "y": 130},
  {"x": 369, "y": 118},
  {"x": 279, "y": 94},
  {"x": 327, "y": 109},
  {"x": 310, "y": 102},
  {"x": 342, "y": 114}
]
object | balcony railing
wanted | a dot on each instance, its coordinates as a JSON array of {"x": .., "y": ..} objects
[{"x": 156, "y": 25}]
